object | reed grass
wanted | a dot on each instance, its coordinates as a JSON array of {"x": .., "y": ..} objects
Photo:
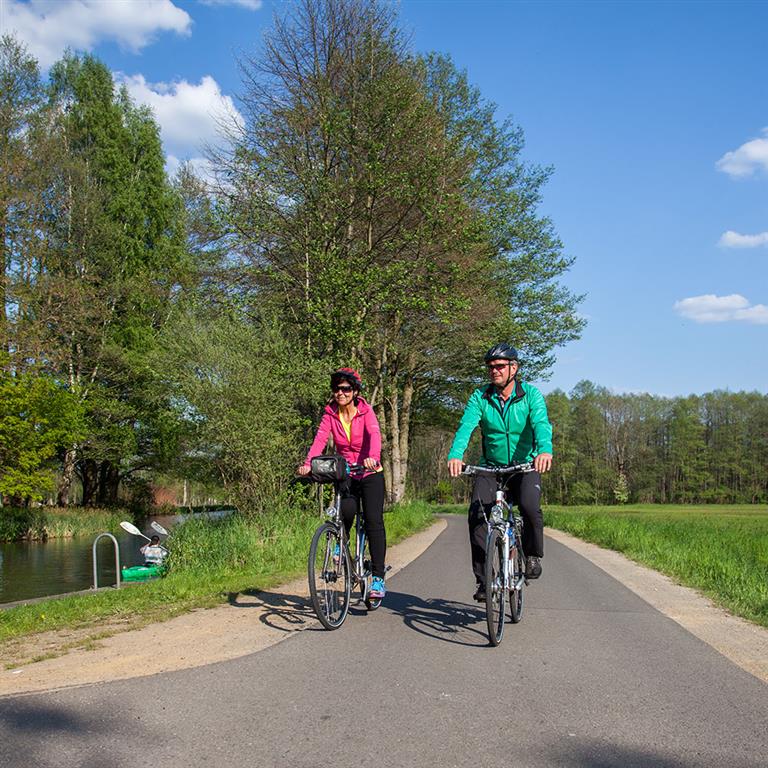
[{"x": 40, "y": 523}]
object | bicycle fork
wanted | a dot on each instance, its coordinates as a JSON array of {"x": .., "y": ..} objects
[{"x": 503, "y": 519}]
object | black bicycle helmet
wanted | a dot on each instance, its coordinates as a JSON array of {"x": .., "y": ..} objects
[
  {"x": 350, "y": 375},
  {"x": 501, "y": 351}
]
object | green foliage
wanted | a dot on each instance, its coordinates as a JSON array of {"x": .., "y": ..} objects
[
  {"x": 37, "y": 418},
  {"x": 96, "y": 265},
  {"x": 239, "y": 388},
  {"x": 621, "y": 489}
]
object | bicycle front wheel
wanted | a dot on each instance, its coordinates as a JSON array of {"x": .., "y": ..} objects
[
  {"x": 516, "y": 583},
  {"x": 495, "y": 594},
  {"x": 328, "y": 573}
]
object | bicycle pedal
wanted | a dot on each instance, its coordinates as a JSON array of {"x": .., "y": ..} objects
[{"x": 387, "y": 568}]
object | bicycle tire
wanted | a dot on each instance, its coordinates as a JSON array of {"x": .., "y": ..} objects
[
  {"x": 495, "y": 594},
  {"x": 329, "y": 582},
  {"x": 517, "y": 574}
]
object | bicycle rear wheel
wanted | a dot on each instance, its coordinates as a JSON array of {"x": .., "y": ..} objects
[
  {"x": 328, "y": 573},
  {"x": 516, "y": 583},
  {"x": 495, "y": 594}
]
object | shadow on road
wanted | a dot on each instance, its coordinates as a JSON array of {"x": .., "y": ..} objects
[
  {"x": 591, "y": 753},
  {"x": 40, "y": 735},
  {"x": 444, "y": 620},
  {"x": 288, "y": 613}
]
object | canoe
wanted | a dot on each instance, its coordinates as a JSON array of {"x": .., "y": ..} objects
[{"x": 141, "y": 572}]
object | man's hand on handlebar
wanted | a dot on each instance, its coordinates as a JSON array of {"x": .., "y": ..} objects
[
  {"x": 543, "y": 462},
  {"x": 454, "y": 467}
]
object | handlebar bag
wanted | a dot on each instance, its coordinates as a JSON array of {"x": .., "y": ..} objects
[{"x": 329, "y": 469}]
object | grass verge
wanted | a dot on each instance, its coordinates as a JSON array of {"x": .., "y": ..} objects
[{"x": 210, "y": 561}]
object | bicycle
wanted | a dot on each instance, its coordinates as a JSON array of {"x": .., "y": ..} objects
[
  {"x": 331, "y": 571},
  {"x": 504, "y": 556}
]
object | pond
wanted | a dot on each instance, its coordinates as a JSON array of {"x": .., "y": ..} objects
[{"x": 31, "y": 569}]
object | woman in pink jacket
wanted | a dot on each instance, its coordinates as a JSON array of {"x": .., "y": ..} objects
[{"x": 355, "y": 430}]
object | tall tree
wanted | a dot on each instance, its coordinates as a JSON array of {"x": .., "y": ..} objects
[
  {"x": 21, "y": 105},
  {"x": 114, "y": 251},
  {"x": 383, "y": 213}
]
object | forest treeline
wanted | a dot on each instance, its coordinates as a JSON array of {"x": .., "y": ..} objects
[
  {"x": 367, "y": 207},
  {"x": 633, "y": 448}
]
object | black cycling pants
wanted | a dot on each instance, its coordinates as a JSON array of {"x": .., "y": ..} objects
[
  {"x": 524, "y": 490},
  {"x": 369, "y": 490}
]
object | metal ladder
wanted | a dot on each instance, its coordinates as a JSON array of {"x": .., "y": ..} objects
[{"x": 117, "y": 559}]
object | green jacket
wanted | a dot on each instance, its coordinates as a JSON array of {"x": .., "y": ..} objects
[{"x": 516, "y": 434}]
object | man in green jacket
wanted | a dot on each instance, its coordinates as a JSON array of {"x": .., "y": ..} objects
[{"x": 515, "y": 428}]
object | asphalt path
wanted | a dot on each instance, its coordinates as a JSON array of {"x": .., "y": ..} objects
[{"x": 592, "y": 676}]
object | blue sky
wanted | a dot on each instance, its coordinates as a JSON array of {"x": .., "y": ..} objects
[{"x": 654, "y": 116}]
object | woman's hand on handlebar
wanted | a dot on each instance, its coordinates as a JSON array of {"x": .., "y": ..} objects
[
  {"x": 371, "y": 463},
  {"x": 303, "y": 471},
  {"x": 455, "y": 466}
]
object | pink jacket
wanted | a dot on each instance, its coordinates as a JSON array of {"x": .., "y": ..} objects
[{"x": 365, "y": 435}]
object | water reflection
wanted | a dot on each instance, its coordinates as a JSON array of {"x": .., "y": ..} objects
[{"x": 38, "y": 568}]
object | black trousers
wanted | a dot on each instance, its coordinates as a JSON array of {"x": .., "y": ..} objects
[
  {"x": 524, "y": 490},
  {"x": 370, "y": 491}
]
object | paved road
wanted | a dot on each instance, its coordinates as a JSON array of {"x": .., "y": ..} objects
[{"x": 593, "y": 676}]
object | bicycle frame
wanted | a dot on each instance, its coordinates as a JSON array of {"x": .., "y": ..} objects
[
  {"x": 504, "y": 574},
  {"x": 504, "y": 517},
  {"x": 333, "y": 513}
]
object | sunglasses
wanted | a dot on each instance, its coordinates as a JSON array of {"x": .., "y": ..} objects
[
  {"x": 498, "y": 366},
  {"x": 345, "y": 388}
]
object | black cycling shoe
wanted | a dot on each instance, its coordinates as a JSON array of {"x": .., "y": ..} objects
[
  {"x": 479, "y": 595},
  {"x": 532, "y": 567}
]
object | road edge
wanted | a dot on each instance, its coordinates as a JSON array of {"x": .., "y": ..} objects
[{"x": 740, "y": 641}]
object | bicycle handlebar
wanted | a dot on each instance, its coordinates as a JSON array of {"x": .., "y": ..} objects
[
  {"x": 472, "y": 469},
  {"x": 354, "y": 469}
]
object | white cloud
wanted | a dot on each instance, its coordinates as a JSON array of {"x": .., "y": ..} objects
[
  {"x": 251, "y": 5},
  {"x": 189, "y": 114},
  {"x": 721, "y": 309},
  {"x": 757, "y": 314},
  {"x": 731, "y": 239},
  {"x": 748, "y": 158},
  {"x": 48, "y": 27}
]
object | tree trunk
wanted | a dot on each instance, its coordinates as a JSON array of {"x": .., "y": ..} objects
[
  {"x": 394, "y": 487},
  {"x": 67, "y": 476},
  {"x": 89, "y": 475},
  {"x": 109, "y": 482},
  {"x": 400, "y": 471}
]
